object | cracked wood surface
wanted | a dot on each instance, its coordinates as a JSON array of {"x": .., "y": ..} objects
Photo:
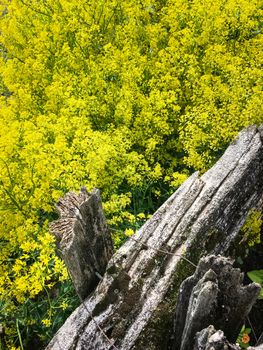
[
  {"x": 214, "y": 295},
  {"x": 135, "y": 302},
  {"x": 84, "y": 238}
]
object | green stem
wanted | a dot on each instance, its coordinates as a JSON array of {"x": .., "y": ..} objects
[{"x": 19, "y": 335}]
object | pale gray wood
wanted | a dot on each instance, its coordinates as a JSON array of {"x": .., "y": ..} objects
[
  {"x": 211, "y": 339},
  {"x": 84, "y": 238},
  {"x": 213, "y": 295},
  {"x": 135, "y": 302}
]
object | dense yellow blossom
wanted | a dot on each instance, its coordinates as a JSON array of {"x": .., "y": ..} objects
[{"x": 128, "y": 96}]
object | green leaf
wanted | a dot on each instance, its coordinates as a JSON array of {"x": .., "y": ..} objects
[
  {"x": 256, "y": 276},
  {"x": 247, "y": 330}
]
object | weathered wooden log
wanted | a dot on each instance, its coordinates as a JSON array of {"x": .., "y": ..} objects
[
  {"x": 210, "y": 339},
  {"x": 260, "y": 340},
  {"x": 134, "y": 304},
  {"x": 84, "y": 238},
  {"x": 213, "y": 295}
]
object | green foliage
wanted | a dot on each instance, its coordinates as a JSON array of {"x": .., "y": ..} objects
[
  {"x": 257, "y": 276},
  {"x": 243, "y": 338},
  {"x": 37, "y": 319},
  {"x": 130, "y": 97}
]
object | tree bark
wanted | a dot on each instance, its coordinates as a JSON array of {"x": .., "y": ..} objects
[{"x": 134, "y": 304}]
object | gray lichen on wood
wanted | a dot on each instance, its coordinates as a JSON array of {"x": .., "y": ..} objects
[
  {"x": 135, "y": 302},
  {"x": 84, "y": 238}
]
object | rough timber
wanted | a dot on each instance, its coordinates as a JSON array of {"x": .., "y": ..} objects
[{"x": 134, "y": 304}]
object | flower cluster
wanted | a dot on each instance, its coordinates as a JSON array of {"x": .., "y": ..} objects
[{"x": 128, "y": 96}]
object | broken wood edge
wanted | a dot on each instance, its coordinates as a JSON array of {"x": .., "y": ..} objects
[{"x": 84, "y": 238}]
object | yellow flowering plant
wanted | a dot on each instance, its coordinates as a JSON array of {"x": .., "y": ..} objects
[{"x": 128, "y": 96}]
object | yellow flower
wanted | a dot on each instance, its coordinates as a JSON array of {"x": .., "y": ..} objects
[
  {"x": 64, "y": 305},
  {"x": 141, "y": 216},
  {"x": 129, "y": 232},
  {"x": 46, "y": 322},
  {"x": 124, "y": 105}
]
